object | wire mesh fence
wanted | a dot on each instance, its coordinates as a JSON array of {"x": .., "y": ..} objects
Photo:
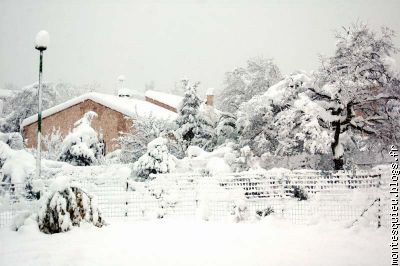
[{"x": 301, "y": 197}]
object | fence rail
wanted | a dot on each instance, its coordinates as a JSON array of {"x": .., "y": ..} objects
[{"x": 334, "y": 196}]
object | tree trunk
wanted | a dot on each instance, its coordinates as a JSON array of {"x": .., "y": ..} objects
[{"x": 338, "y": 160}]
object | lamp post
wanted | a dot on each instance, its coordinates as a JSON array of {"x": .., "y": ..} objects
[{"x": 41, "y": 43}]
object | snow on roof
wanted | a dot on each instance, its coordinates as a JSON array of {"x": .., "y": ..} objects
[
  {"x": 127, "y": 106},
  {"x": 166, "y": 98}
]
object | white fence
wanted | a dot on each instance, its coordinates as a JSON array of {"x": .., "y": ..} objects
[{"x": 333, "y": 196}]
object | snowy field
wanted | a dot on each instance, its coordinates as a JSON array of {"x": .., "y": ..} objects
[{"x": 189, "y": 242}]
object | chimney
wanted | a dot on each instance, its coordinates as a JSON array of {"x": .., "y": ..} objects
[{"x": 210, "y": 97}]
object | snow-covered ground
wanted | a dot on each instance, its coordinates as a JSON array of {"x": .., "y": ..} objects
[{"x": 192, "y": 242}]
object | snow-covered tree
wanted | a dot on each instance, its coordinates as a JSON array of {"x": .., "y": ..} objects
[
  {"x": 24, "y": 103},
  {"x": 242, "y": 84},
  {"x": 359, "y": 89},
  {"x": 188, "y": 120},
  {"x": 82, "y": 146},
  {"x": 277, "y": 123},
  {"x": 206, "y": 137},
  {"x": 67, "y": 206},
  {"x": 156, "y": 160}
]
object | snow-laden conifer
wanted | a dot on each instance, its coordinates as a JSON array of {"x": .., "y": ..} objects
[{"x": 82, "y": 146}]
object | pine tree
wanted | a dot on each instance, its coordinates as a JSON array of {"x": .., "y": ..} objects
[
  {"x": 226, "y": 128},
  {"x": 188, "y": 119},
  {"x": 205, "y": 137},
  {"x": 67, "y": 206},
  {"x": 82, "y": 146}
]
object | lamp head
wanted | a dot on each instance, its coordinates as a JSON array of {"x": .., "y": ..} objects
[{"x": 42, "y": 40}]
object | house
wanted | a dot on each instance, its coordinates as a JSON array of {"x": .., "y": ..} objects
[
  {"x": 172, "y": 102},
  {"x": 111, "y": 121},
  {"x": 112, "y": 112},
  {"x": 168, "y": 101}
]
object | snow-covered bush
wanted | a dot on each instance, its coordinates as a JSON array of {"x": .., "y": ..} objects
[
  {"x": 16, "y": 165},
  {"x": 53, "y": 144},
  {"x": 67, "y": 206},
  {"x": 156, "y": 160},
  {"x": 240, "y": 159},
  {"x": 82, "y": 146},
  {"x": 262, "y": 213},
  {"x": 205, "y": 163},
  {"x": 240, "y": 211},
  {"x": 299, "y": 193},
  {"x": 13, "y": 139},
  {"x": 145, "y": 129}
]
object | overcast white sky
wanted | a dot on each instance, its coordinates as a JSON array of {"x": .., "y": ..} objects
[{"x": 166, "y": 40}]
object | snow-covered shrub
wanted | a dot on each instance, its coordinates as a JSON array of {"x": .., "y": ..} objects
[
  {"x": 82, "y": 146},
  {"x": 240, "y": 211},
  {"x": 67, "y": 206},
  {"x": 264, "y": 212},
  {"x": 156, "y": 160},
  {"x": 53, "y": 144},
  {"x": 145, "y": 129},
  {"x": 240, "y": 159},
  {"x": 205, "y": 163},
  {"x": 13, "y": 139},
  {"x": 299, "y": 193},
  {"x": 16, "y": 165}
]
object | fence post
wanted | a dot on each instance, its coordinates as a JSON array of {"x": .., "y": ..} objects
[
  {"x": 379, "y": 212},
  {"x": 126, "y": 199},
  {"x": 379, "y": 201}
]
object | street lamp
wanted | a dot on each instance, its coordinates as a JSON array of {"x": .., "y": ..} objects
[{"x": 41, "y": 43}]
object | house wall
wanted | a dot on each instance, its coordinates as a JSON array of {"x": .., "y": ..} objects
[
  {"x": 163, "y": 105},
  {"x": 109, "y": 122}
]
